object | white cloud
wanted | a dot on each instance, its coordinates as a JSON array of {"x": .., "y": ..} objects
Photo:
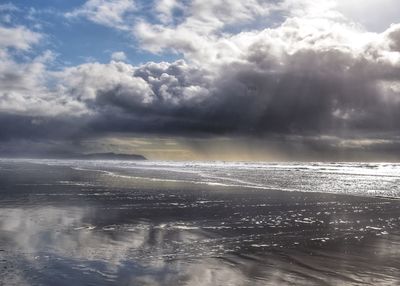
[
  {"x": 118, "y": 56},
  {"x": 167, "y": 8},
  {"x": 374, "y": 15},
  {"x": 89, "y": 82},
  {"x": 25, "y": 89},
  {"x": 24, "y": 85},
  {"x": 18, "y": 37},
  {"x": 8, "y": 7},
  {"x": 198, "y": 22},
  {"x": 111, "y": 13}
]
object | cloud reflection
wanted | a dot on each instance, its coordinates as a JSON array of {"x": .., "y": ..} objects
[{"x": 76, "y": 246}]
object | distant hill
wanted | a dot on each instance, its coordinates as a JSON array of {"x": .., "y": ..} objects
[{"x": 111, "y": 156}]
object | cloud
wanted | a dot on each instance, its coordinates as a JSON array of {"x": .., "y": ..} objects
[
  {"x": 18, "y": 37},
  {"x": 307, "y": 75},
  {"x": 118, "y": 56},
  {"x": 8, "y": 7},
  {"x": 314, "y": 73},
  {"x": 25, "y": 84},
  {"x": 105, "y": 12},
  {"x": 89, "y": 83},
  {"x": 392, "y": 36},
  {"x": 167, "y": 9},
  {"x": 374, "y": 15},
  {"x": 187, "y": 26}
]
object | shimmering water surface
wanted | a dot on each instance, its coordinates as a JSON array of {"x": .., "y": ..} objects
[{"x": 162, "y": 223}]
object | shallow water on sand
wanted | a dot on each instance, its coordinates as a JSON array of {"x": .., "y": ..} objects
[{"x": 118, "y": 223}]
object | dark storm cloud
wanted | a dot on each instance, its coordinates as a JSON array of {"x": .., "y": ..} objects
[
  {"x": 30, "y": 127},
  {"x": 313, "y": 93}
]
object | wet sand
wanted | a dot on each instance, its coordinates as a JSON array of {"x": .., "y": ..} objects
[{"x": 60, "y": 226}]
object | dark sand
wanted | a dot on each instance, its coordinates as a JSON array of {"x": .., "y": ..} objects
[{"x": 60, "y": 226}]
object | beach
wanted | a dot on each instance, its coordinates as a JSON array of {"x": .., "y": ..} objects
[{"x": 117, "y": 223}]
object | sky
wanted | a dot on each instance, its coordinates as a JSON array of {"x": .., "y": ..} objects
[{"x": 201, "y": 80}]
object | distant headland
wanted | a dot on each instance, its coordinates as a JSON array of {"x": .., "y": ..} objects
[{"x": 111, "y": 156}]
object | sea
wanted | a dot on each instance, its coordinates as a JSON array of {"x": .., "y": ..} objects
[{"x": 92, "y": 222}]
